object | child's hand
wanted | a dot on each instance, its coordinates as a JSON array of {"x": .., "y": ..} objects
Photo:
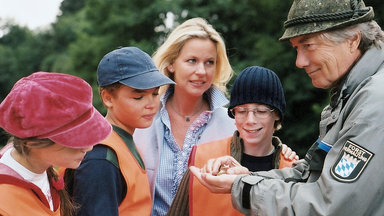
[
  {"x": 224, "y": 165},
  {"x": 288, "y": 153},
  {"x": 216, "y": 184}
]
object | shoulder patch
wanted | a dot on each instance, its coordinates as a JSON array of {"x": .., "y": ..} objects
[
  {"x": 112, "y": 157},
  {"x": 351, "y": 162}
]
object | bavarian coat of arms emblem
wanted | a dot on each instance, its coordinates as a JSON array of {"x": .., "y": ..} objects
[{"x": 351, "y": 162}]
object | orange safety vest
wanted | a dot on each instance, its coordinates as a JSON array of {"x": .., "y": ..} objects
[
  {"x": 19, "y": 201},
  {"x": 19, "y": 197},
  {"x": 138, "y": 200},
  {"x": 201, "y": 200}
]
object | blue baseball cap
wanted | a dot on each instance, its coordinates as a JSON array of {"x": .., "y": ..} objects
[{"x": 132, "y": 67}]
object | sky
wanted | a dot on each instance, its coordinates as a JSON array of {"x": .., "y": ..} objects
[{"x": 31, "y": 13}]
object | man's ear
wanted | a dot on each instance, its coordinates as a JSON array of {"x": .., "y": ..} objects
[{"x": 354, "y": 42}]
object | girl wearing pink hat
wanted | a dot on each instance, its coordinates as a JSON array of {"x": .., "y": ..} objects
[{"x": 52, "y": 122}]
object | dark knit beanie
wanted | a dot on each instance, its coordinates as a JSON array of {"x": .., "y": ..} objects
[{"x": 257, "y": 85}]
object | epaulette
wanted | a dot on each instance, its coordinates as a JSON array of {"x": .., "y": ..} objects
[{"x": 112, "y": 157}]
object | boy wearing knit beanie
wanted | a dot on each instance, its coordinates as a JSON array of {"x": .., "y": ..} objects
[{"x": 257, "y": 104}]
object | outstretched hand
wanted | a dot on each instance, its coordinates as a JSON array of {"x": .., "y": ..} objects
[
  {"x": 219, "y": 174},
  {"x": 216, "y": 184},
  {"x": 224, "y": 165}
]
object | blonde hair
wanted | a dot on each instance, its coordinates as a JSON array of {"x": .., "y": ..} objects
[{"x": 194, "y": 28}]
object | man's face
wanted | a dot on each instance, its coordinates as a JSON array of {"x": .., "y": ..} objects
[{"x": 324, "y": 61}]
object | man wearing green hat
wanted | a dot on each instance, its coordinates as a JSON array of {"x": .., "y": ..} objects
[{"x": 340, "y": 47}]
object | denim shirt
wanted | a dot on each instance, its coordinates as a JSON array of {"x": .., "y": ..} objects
[
  {"x": 165, "y": 161},
  {"x": 174, "y": 161}
]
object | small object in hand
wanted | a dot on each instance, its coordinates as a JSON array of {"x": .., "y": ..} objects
[{"x": 223, "y": 169}]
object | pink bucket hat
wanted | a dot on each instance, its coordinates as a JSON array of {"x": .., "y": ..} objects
[{"x": 54, "y": 106}]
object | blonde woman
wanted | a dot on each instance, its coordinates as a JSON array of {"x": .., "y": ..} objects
[{"x": 192, "y": 111}]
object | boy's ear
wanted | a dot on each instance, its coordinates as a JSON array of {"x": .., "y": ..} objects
[
  {"x": 106, "y": 97},
  {"x": 277, "y": 117}
]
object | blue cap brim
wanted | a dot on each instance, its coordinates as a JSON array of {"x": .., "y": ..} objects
[{"x": 148, "y": 80}]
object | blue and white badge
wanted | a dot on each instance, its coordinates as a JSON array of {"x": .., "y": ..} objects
[{"x": 351, "y": 162}]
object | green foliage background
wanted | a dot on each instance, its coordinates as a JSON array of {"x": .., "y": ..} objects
[{"x": 87, "y": 29}]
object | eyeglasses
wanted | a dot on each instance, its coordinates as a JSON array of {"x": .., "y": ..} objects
[{"x": 258, "y": 112}]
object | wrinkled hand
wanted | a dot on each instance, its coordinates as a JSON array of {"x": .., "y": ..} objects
[
  {"x": 231, "y": 165},
  {"x": 289, "y": 153},
  {"x": 216, "y": 184}
]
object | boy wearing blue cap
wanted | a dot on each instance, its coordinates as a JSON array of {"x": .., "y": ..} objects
[{"x": 112, "y": 178}]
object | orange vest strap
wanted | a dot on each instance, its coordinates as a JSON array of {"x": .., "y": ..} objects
[
  {"x": 138, "y": 200},
  {"x": 199, "y": 196}
]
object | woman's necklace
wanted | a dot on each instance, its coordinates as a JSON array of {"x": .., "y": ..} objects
[{"x": 188, "y": 117}]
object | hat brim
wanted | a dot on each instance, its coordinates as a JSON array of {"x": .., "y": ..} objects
[
  {"x": 89, "y": 133},
  {"x": 315, "y": 27},
  {"x": 148, "y": 80}
]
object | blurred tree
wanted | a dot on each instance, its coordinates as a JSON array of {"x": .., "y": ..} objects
[
  {"x": 107, "y": 25},
  {"x": 71, "y": 7},
  {"x": 20, "y": 55}
]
